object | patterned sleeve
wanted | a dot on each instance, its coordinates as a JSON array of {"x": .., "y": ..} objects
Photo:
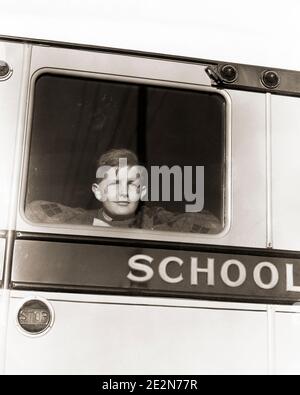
[
  {"x": 43, "y": 211},
  {"x": 158, "y": 218}
]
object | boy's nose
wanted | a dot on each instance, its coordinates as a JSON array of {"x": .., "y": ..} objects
[
  {"x": 123, "y": 195},
  {"x": 123, "y": 190}
]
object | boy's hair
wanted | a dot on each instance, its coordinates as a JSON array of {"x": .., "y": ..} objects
[{"x": 112, "y": 157}]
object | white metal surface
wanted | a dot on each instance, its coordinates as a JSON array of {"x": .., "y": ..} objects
[
  {"x": 246, "y": 141},
  {"x": 257, "y": 33},
  {"x": 2, "y": 328},
  {"x": 287, "y": 342},
  {"x": 146, "y": 301},
  {"x": 10, "y": 94},
  {"x": 285, "y": 172},
  {"x": 119, "y": 65},
  {"x": 248, "y": 171},
  {"x": 155, "y": 336},
  {"x": 4, "y": 303},
  {"x": 2, "y": 250},
  {"x": 122, "y": 339}
]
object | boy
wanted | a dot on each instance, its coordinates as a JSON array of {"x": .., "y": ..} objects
[{"x": 120, "y": 191}]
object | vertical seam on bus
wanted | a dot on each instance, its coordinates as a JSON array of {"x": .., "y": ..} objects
[
  {"x": 271, "y": 339},
  {"x": 26, "y": 61},
  {"x": 17, "y": 171},
  {"x": 269, "y": 238},
  {"x": 4, "y": 306}
]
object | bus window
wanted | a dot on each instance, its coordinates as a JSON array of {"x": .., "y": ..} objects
[{"x": 110, "y": 153}]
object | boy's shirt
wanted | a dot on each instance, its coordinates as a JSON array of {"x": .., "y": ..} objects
[
  {"x": 148, "y": 217},
  {"x": 101, "y": 220}
]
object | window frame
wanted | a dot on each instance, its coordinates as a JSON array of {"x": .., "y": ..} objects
[{"x": 128, "y": 233}]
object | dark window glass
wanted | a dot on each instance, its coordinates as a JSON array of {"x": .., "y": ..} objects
[{"x": 77, "y": 120}]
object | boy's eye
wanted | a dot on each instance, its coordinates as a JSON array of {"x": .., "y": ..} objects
[
  {"x": 130, "y": 185},
  {"x": 113, "y": 184},
  {"x": 134, "y": 187}
]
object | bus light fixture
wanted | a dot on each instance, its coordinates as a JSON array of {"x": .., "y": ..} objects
[
  {"x": 270, "y": 79},
  {"x": 228, "y": 73},
  {"x": 225, "y": 74},
  {"x": 5, "y": 70}
]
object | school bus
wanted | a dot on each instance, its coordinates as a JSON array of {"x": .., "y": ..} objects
[{"x": 188, "y": 299}]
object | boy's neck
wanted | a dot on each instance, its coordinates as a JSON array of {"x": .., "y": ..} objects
[
  {"x": 118, "y": 218},
  {"x": 106, "y": 216}
]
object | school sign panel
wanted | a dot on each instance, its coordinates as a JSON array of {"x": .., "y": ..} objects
[{"x": 206, "y": 273}]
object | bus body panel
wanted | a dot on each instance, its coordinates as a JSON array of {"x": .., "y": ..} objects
[
  {"x": 2, "y": 250},
  {"x": 93, "y": 63},
  {"x": 285, "y": 172},
  {"x": 287, "y": 343},
  {"x": 249, "y": 224},
  {"x": 3, "y": 305},
  {"x": 106, "y": 338},
  {"x": 10, "y": 103}
]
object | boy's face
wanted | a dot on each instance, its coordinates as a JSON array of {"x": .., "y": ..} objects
[{"x": 119, "y": 192}]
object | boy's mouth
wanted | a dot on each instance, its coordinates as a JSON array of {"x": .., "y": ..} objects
[{"x": 124, "y": 204}]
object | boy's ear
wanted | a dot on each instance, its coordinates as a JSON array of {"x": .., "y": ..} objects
[{"x": 96, "y": 191}]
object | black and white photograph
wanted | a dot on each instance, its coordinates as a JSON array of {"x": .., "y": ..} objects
[{"x": 150, "y": 172}]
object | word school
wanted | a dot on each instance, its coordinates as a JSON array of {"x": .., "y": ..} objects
[{"x": 142, "y": 270}]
